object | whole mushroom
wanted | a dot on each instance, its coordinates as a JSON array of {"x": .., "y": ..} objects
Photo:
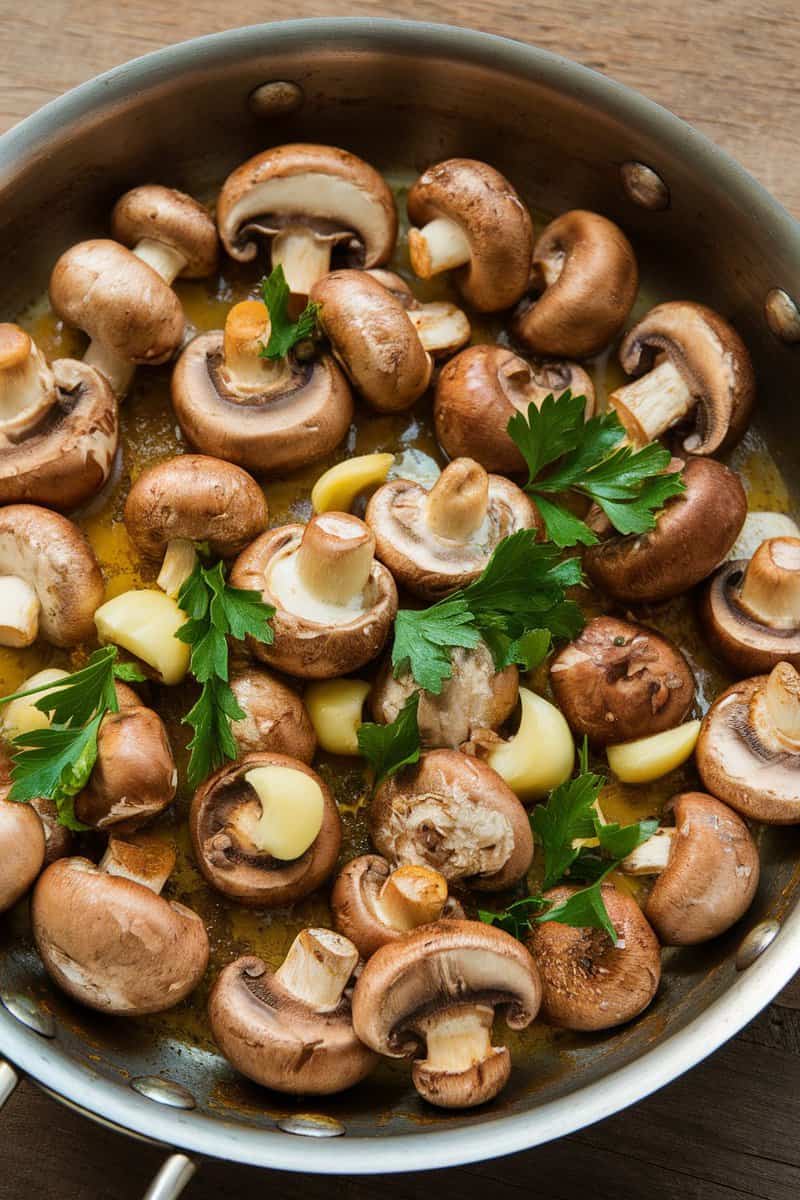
[
  {"x": 22, "y": 849},
  {"x": 275, "y": 716},
  {"x": 168, "y": 230}
]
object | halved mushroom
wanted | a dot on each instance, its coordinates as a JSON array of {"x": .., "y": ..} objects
[
  {"x": 588, "y": 983},
  {"x": 472, "y": 222},
  {"x": 291, "y": 1029},
  {"x": 373, "y": 905},
  {"x": 693, "y": 534},
  {"x": 268, "y": 415},
  {"x": 481, "y": 389},
  {"x": 442, "y": 327},
  {"x": 192, "y": 498},
  {"x": 689, "y": 361},
  {"x": 436, "y": 541},
  {"x": 275, "y": 717},
  {"x": 308, "y": 203},
  {"x": 706, "y": 870},
  {"x": 748, "y": 752},
  {"x": 265, "y": 830},
  {"x": 22, "y": 849},
  {"x": 50, "y": 582},
  {"x": 109, "y": 939},
  {"x": 453, "y": 813},
  {"x": 586, "y": 277},
  {"x": 167, "y": 229},
  {"x": 618, "y": 681},
  {"x": 334, "y": 602},
  {"x": 432, "y": 995}
]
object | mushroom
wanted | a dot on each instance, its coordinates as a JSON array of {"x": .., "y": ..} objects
[
  {"x": 58, "y": 426},
  {"x": 50, "y": 582},
  {"x": 442, "y": 327},
  {"x": 588, "y": 983},
  {"x": 373, "y": 905},
  {"x": 475, "y": 697},
  {"x": 481, "y": 389},
  {"x": 751, "y": 610},
  {"x": 432, "y": 996},
  {"x": 268, "y": 415},
  {"x": 586, "y": 277},
  {"x": 760, "y": 527},
  {"x": 265, "y": 830},
  {"x": 109, "y": 939},
  {"x": 472, "y": 222},
  {"x": 455, "y": 814},
  {"x": 275, "y": 717},
  {"x": 436, "y": 541},
  {"x": 334, "y": 602},
  {"x": 693, "y": 534},
  {"x": 291, "y": 1029},
  {"x": 748, "y": 752},
  {"x": 688, "y": 360},
  {"x": 706, "y": 870},
  {"x": 190, "y": 499},
  {"x": 168, "y": 230},
  {"x": 618, "y": 681},
  {"x": 309, "y": 203},
  {"x": 22, "y": 849},
  {"x": 58, "y": 840}
]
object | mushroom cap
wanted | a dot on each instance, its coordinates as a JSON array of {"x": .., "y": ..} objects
[
  {"x": 693, "y": 534},
  {"x": 587, "y": 269},
  {"x": 67, "y": 457},
  {"x": 112, "y": 943},
  {"x": 496, "y": 223},
  {"x": 617, "y": 682},
  {"x": 712, "y": 873},
  {"x": 52, "y": 555},
  {"x": 270, "y": 433},
  {"x": 421, "y": 560},
  {"x": 276, "y": 719},
  {"x": 22, "y": 850},
  {"x": 455, "y": 814},
  {"x": 276, "y": 1040},
  {"x": 478, "y": 392},
  {"x": 588, "y": 983},
  {"x": 58, "y": 840},
  {"x": 162, "y": 214},
  {"x": 712, "y": 361},
  {"x": 198, "y": 498},
  {"x": 373, "y": 339},
  {"x": 251, "y": 877},
  {"x": 116, "y": 298},
  {"x": 321, "y": 187},
  {"x": 748, "y": 644},
  {"x": 305, "y": 648}
]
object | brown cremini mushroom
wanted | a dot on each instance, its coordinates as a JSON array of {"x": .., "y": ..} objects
[
  {"x": 617, "y": 682},
  {"x": 442, "y": 327},
  {"x": 167, "y": 229},
  {"x": 586, "y": 277},
  {"x": 22, "y": 849},
  {"x": 432, "y": 995},
  {"x": 291, "y": 1029},
  {"x": 58, "y": 840},
  {"x": 334, "y": 601},
  {"x": 471, "y": 221},
  {"x": 265, "y": 830},
  {"x": 275, "y": 716}
]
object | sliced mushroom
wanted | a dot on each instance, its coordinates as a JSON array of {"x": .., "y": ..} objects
[
  {"x": 456, "y": 815},
  {"x": 167, "y": 229},
  {"x": 588, "y": 983},
  {"x": 618, "y": 681},
  {"x": 473, "y": 222},
  {"x": 22, "y": 849},
  {"x": 110, "y": 940},
  {"x": 432, "y": 995},
  {"x": 442, "y": 327},
  {"x": 275, "y": 717},
  {"x": 586, "y": 277},
  {"x": 268, "y": 415},
  {"x": 265, "y": 830},
  {"x": 689, "y": 362},
  {"x": 693, "y": 534},
  {"x": 334, "y": 602},
  {"x": 481, "y": 389},
  {"x": 291, "y": 1029}
]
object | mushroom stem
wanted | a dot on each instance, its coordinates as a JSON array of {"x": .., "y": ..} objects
[
  {"x": 180, "y": 559},
  {"x": 782, "y": 695},
  {"x": 770, "y": 589},
  {"x": 458, "y": 501},
  {"x": 19, "y": 612},
  {"x": 247, "y": 330},
  {"x": 652, "y": 857},
  {"x": 441, "y": 327},
  {"x": 304, "y": 256},
  {"x": 439, "y": 246},
  {"x": 147, "y": 862},
  {"x": 412, "y": 896},
  {"x": 318, "y": 968},
  {"x": 457, "y": 1038},
  {"x": 335, "y": 557},
  {"x": 650, "y": 405},
  {"x": 165, "y": 260},
  {"x": 117, "y": 370},
  {"x": 27, "y": 387}
]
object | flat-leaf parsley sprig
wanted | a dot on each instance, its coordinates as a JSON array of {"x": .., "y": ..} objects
[
  {"x": 284, "y": 333},
  {"x": 389, "y": 748}
]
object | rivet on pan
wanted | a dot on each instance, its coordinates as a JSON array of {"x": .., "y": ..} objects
[
  {"x": 644, "y": 186},
  {"x": 276, "y": 99},
  {"x": 29, "y": 1013},
  {"x": 163, "y": 1091},
  {"x": 755, "y": 943},
  {"x": 312, "y": 1125},
  {"x": 783, "y": 315}
]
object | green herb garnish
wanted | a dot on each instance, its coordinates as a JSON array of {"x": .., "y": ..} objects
[
  {"x": 284, "y": 333},
  {"x": 388, "y": 748}
]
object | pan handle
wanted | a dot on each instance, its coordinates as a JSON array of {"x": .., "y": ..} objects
[
  {"x": 171, "y": 1179},
  {"x": 8, "y": 1081}
]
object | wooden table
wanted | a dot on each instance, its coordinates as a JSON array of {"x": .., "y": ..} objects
[{"x": 730, "y": 1128}]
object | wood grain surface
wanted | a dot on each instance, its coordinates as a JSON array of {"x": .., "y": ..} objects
[{"x": 729, "y": 1128}]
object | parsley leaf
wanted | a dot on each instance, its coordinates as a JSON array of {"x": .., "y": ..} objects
[
  {"x": 516, "y": 919},
  {"x": 128, "y": 672},
  {"x": 585, "y": 909},
  {"x": 424, "y": 638},
  {"x": 284, "y": 333},
  {"x": 55, "y": 763},
  {"x": 388, "y": 748},
  {"x": 76, "y": 698},
  {"x": 568, "y": 815}
]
